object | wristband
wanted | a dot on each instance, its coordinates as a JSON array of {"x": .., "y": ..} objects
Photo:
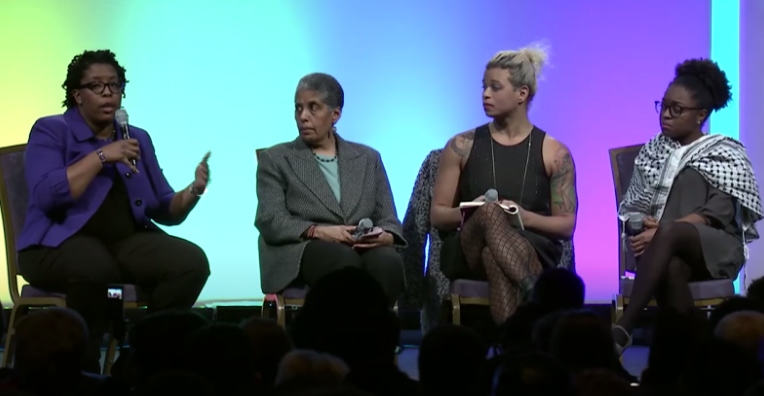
[
  {"x": 195, "y": 193},
  {"x": 101, "y": 156}
]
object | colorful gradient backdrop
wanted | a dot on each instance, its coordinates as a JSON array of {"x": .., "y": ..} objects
[{"x": 220, "y": 76}]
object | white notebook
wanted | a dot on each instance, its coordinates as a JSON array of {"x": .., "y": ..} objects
[{"x": 512, "y": 210}]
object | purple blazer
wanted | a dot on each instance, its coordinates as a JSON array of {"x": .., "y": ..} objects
[{"x": 53, "y": 216}]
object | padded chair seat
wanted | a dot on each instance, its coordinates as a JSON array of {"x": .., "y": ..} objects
[
  {"x": 706, "y": 290},
  {"x": 291, "y": 293},
  {"x": 469, "y": 288},
  {"x": 129, "y": 293},
  {"x": 295, "y": 293}
]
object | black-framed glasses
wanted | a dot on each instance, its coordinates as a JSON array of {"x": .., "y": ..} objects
[
  {"x": 98, "y": 88},
  {"x": 675, "y": 110}
]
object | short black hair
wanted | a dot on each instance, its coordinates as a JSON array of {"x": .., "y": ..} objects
[
  {"x": 706, "y": 82},
  {"x": 82, "y": 62}
]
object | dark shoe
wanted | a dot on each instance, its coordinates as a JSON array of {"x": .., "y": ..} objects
[
  {"x": 526, "y": 287},
  {"x": 618, "y": 347}
]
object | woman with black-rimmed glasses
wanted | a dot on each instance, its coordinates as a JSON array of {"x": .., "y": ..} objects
[
  {"x": 696, "y": 195},
  {"x": 94, "y": 195}
]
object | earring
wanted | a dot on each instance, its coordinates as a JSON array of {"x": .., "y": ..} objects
[{"x": 698, "y": 122}]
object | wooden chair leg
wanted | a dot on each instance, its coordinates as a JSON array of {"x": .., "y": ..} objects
[
  {"x": 616, "y": 309},
  {"x": 265, "y": 308},
  {"x": 456, "y": 310},
  {"x": 280, "y": 311}
]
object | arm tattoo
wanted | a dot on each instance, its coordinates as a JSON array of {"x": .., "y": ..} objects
[
  {"x": 563, "y": 182},
  {"x": 462, "y": 143}
]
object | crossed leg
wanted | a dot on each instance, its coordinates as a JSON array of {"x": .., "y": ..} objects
[{"x": 493, "y": 246}]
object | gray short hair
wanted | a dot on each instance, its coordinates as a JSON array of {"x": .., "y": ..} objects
[
  {"x": 327, "y": 86},
  {"x": 524, "y": 66}
]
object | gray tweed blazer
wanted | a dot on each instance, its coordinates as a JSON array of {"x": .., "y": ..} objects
[{"x": 292, "y": 195}]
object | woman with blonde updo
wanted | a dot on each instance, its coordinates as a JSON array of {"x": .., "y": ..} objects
[{"x": 528, "y": 169}]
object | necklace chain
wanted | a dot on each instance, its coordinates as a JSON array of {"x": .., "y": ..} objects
[
  {"x": 525, "y": 170},
  {"x": 332, "y": 159}
]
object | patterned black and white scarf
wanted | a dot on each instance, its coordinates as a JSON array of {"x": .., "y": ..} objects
[{"x": 721, "y": 160}]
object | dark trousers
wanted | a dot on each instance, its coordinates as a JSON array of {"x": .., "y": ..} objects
[
  {"x": 171, "y": 270},
  {"x": 384, "y": 264}
]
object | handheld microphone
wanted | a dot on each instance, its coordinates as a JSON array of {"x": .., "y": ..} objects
[
  {"x": 364, "y": 226},
  {"x": 491, "y": 195},
  {"x": 634, "y": 223},
  {"x": 121, "y": 117}
]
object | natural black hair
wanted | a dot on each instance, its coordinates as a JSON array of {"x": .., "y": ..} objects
[
  {"x": 706, "y": 82},
  {"x": 82, "y": 62}
]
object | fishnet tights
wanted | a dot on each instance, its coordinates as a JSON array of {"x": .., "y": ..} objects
[{"x": 492, "y": 246}]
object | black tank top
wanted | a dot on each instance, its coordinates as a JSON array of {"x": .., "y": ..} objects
[
  {"x": 509, "y": 162},
  {"x": 477, "y": 177}
]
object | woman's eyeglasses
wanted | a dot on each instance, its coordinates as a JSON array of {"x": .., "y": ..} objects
[
  {"x": 98, "y": 88},
  {"x": 674, "y": 110}
]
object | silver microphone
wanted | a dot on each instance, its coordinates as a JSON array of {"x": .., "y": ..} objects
[
  {"x": 364, "y": 226},
  {"x": 491, "y": 195},
  {"x": 635, "y": 223},
  {"x": 121, "y": 117}
]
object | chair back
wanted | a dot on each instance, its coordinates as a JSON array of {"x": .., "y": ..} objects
[
  {"x": 622, "y": 165},
  {"x": 14, "y": 200}
]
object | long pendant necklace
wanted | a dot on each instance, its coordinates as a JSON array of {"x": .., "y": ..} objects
[{"x": 525, "y": 170}]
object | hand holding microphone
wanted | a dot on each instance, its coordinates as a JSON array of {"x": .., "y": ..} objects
[
  {"x": 122, "y": 151},
  {"x": 641, "y": 230},
  {"x": 337, "y": 234},
  {"x": 121, "y": 116}
]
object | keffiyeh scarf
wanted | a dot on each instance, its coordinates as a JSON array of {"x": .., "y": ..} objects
[{"x": 722, "y": 161}]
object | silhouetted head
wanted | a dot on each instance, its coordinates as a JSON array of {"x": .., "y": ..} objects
[
  {"x": 370, "y": 333},
  {"x": 227, "y": 361},
  {"x": 451, "y": 361},
  {"x": 529, "y": 375},
  {"x": 733, "y": 304},
  {"x": 51, "y": 344},
  {"x": 269, "y": 343},
  {"x": 559, "y": 289},
  {"x": 581, "y": 340},
  {"x": 158, "y": 342},
  {"x": 755, "y": 290}
]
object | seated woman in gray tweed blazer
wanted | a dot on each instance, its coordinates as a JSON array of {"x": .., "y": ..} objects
[{"x": 314, "y": 190}]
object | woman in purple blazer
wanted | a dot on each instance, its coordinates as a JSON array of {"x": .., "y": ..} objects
[{"x": 92, "y": 208}]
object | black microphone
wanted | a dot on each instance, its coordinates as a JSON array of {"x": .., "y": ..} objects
[
  {"x": 491, "y": 195},
  {"x": 635, "y": 223},
  {"x": 364, "y": 226},
  {"x": 121, "y": 116}
]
